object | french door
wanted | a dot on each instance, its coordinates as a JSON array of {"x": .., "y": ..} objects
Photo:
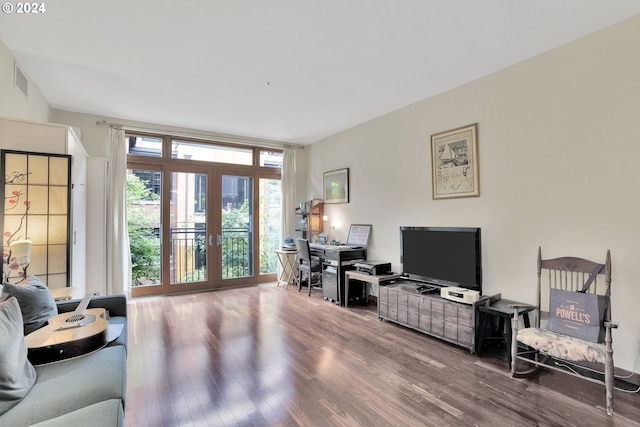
[
  {"x": 205, "y": 231},
  {"x": 188, "y": 232},
  {"x": 210, "y": 230}
]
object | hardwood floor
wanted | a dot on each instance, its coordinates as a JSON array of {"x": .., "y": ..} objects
[{"x": 263, "y": 356}]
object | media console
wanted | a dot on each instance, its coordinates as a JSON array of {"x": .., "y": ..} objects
[{"x": 401, "y": 302}]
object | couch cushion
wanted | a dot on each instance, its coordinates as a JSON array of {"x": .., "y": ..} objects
[
  {"x": 17, "y": 375},
  {"x": 104, "y": 414},
  {"x": 122, "y": 339},
  {"x": 36, "y": 303},
  {"x": 72, "y": 384}
]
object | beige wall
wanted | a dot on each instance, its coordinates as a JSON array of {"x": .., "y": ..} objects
[
  {"x": 559, "y": 144},
  {"x": 13, "y": 103}
]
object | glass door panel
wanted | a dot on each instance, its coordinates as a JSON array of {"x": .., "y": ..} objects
[
  {"x": 270, "y": 223},
  {"x": 188, "y": 228},
  {"x": 236, "y": 239}
]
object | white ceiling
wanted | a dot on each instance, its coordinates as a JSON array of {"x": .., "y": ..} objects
[{"x": 331, "y": 64}]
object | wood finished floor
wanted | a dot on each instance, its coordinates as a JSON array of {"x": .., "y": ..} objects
[{"x": 263, "y": 356}]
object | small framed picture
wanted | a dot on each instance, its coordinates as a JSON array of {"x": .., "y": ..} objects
[
  {"x": 336, "y": 186},
  {"x": 454, "y": 163}
]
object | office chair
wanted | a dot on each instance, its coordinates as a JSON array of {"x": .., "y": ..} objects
[{"x": 308, "y": 264}]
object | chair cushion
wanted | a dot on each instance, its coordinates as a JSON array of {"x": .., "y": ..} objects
[
  {"x": 17, "y": 375},
  {"x": 562, "y": 346},
  {"x": 36, "y": 302}
]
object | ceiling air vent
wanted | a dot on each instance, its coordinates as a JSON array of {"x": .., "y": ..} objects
[{"x": 22, "y": 83}]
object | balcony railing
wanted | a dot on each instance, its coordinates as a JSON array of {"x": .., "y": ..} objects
[
  {"x": 236, "y": 253},
  {"x": 189, "y": 254}
]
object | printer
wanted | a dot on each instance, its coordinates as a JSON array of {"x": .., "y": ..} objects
[{"x": 372, "y": 267}]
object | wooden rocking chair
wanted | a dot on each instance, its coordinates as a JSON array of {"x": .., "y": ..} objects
[{"x": 541, "y": 347}]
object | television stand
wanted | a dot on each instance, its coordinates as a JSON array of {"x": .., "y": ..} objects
[
  {"x": 402, "y": 303},
  {"x": 366, "y": 278}
]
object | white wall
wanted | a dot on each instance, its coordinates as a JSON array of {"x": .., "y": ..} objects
[
  {"x": 559, "y": 144},
  {"x": 95, "y": 138},
  {"x": 13, "y": 103}
]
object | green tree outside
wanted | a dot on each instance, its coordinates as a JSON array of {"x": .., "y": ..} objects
[{"x": 143, "y": 218}]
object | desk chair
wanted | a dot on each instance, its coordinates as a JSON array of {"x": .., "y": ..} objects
[{"x": 307, "y": 264}]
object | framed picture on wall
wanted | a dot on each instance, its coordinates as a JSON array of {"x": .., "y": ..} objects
[
  {"x": 454, "y": 163},
  {"x": 336, "y": 186}
]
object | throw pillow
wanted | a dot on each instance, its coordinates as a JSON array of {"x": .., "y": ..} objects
[
  {"x": 36, "y": 302},
  {"x": 17, "y": 374}
]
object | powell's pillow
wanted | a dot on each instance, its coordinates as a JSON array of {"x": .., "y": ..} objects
[
  {"x": 36, "y": 303},
  {"x": 17, "y": 374}
]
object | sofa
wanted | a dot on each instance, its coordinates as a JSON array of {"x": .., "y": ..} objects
[{"x": 85, "y": 390}]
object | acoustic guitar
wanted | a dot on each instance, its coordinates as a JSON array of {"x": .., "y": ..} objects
[{"x": 69, "y": 335}]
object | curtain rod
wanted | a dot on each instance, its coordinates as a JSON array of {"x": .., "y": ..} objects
[{"x": 213, "y": 137}]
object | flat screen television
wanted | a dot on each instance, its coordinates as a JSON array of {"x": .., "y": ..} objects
[{"x": 445, "y": 256}]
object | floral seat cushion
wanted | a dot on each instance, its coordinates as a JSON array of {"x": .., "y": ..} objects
[{"x": 562, "y": 346}]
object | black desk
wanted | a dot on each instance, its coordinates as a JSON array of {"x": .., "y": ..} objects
[
  {"x": 335, "y": 261},
  {"x": 502, "y": 310}
]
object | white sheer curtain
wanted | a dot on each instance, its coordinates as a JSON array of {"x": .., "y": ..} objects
[
  {"x": 288, "y": 187},
  {"x": 118, "y": 254}
]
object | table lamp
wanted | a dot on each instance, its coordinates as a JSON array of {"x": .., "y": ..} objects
[{"x": 20, "y": 254}]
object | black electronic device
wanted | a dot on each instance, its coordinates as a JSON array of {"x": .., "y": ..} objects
[
  {"x": 444, "y": 256},
  {"x": 428, "y": 289},
  {"x": 373, "y": 268}
]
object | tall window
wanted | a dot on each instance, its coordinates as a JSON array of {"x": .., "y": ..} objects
[
  {"x": 144, "y": 219},
  {"x": 270, "y": 224},
  {"x": 222, "y": 207},
  {"x": 144, "y": 145},
  {"x": 151, "y": 179}
]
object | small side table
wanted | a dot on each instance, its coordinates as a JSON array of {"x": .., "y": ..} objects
[
  {"x": 287, "y": 261},
  {"x": 367, "y": 278},
  {"x": 502, "y": 310},
  {"x": 61, "y": 294}
]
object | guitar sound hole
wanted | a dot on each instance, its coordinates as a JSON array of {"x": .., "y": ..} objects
[{"x": 75, "y": 318}]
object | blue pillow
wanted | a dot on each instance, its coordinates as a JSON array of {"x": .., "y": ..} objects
[{"x": 35, "y": 300}]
